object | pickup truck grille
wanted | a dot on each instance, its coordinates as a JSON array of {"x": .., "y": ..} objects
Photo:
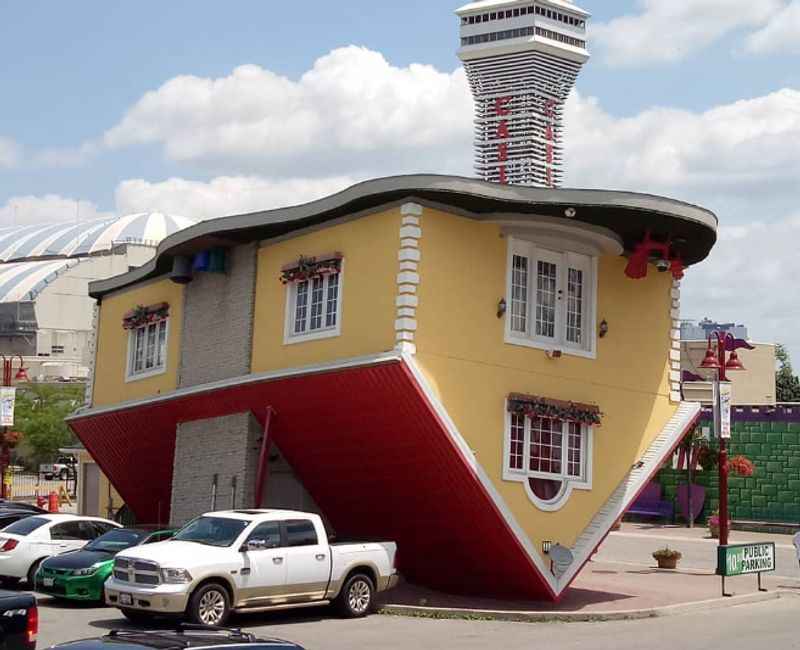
[{"x": 137, "y": 572}]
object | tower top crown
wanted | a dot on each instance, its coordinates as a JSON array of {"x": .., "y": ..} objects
[{"x": 484, "y": 5}]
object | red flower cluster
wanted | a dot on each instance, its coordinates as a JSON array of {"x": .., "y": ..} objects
[{"x": 741, "y": 466}]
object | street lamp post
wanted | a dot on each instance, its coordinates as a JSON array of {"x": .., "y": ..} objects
[
  {"x": 5, "y": 447},
  {"x": 719, "y": 364}
]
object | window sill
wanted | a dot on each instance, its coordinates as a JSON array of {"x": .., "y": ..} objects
[
  {"x": 511, "y": 339},
  {"x": 145, "y": 375},
  {"x": 313, "y": 336}
]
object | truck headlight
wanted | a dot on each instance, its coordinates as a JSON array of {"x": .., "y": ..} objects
[
  {"x": 87, "y": 571},
  {"x": 176, "y": 576}
]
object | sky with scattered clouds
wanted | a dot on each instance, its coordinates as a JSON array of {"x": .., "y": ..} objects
[{"x": 203, "y": 108}]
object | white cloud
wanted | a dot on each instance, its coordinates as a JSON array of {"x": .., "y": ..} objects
[
  {"x": 67, "y": 157},
  {"x": 739, "y": 282},
  {"x": 744, "y": 150},
  {"x": 352, "y": 109},
  {"x": 222, "y": 196},
  {"x": 50, "y": 208},
  {"x": 780, "y": 34},
  {"x": 666, "y": 31},
  {"x": 9, "y": 153}
]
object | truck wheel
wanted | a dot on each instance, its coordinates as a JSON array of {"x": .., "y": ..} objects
[
  {"x": 209, "y": 605},
  {"x": 356, "y": 598},
  {"x": 137, "y": 616}
]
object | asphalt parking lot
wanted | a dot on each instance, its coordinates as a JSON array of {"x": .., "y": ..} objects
[{"x": 769, "y": 624}]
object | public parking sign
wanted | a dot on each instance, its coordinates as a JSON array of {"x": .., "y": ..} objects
[{"x": 739, "y": 559}]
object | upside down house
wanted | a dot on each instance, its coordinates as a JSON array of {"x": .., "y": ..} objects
[{"x": 487, "y": 374}]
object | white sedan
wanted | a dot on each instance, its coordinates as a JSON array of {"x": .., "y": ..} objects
[{"x": 25, "y": 543}]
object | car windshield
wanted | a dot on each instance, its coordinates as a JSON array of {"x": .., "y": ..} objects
[
  {"x": 25, "y": 526},
  {"x": 213, "y": 531},
  {"x": 116, "y": 540}
]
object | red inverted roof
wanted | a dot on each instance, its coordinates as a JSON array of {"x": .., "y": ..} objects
[{"x": 369, "y": 447}]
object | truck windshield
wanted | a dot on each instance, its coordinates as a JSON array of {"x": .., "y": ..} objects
[{"x": 212, "y": 531}]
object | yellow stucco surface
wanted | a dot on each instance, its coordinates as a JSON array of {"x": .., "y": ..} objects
[
  {"x": 110, "y": 386},
  {"x": 460, "y": 343},
  {"x": 368, "y": 290}
]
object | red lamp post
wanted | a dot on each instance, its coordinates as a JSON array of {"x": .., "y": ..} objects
[
  {"x": 5, "y": 446},
  {"x": 718, "y": 363}
]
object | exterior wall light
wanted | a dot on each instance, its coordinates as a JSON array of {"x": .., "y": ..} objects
[
  {"x": 553, "y": 354},
  {"x": 546, "y": 544},
  {"x": 501, "y": 308},
  {"x": 603, "y": 328}
]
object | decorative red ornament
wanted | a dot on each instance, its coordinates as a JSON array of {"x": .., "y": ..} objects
[
  {"x": 741, "y": 466},
  {"x": 640, "y": 257}
]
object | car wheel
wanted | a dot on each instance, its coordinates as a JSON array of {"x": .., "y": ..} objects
[
  {"x": 64, "y": 475},
  {"x": 32, "y": 574},
  {"x": 7, "y": 582},
  {"x": 137, "y": 616},
  {"x": 356, "y": 598},
  {"x": 210, "y": 605}
]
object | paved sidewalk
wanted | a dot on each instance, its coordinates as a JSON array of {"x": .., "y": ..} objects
[{"x": 623, "y": 581}]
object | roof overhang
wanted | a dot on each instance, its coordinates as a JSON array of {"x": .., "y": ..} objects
[{"x": 692, "y": 229}]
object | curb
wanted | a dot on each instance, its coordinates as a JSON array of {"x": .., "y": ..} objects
[{"x": 576, "y": 617}]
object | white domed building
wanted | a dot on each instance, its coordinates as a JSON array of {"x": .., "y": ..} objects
[{"x": 45, "y": 309}]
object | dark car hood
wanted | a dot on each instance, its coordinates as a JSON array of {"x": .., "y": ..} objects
[{"x": 76, "y": 560}]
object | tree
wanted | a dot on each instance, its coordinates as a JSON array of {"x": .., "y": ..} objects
[
  {"x": 787, "y": 384},
  {"x": 39, "y": 416}
]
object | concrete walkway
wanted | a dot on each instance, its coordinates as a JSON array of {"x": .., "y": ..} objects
[{"x": 623, "y": 581}]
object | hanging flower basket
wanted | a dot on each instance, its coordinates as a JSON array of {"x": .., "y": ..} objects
[
  {"x": 741, "y": 466},
  {"x": 141, "y": 315},
  {"x": 542, "y": 407},
  {"x": 11, "y": 438},
  {"x": 309, "y": 268}
]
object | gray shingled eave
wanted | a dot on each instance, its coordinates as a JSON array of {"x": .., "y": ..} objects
[{"x": 451, "y": 191}]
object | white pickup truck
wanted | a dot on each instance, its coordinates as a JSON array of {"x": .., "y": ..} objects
[{"x": 249, "y": 561}]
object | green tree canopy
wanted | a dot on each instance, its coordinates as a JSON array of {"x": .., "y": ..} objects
[
  {"x": 39, "y": 416},
  {"x": 787, "y": 384}
]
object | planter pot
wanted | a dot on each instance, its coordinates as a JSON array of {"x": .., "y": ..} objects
[
  {"x": 667, "y": 562},
  {"x": 617, "y": 524},
  {"x": 714, "y": 530}
]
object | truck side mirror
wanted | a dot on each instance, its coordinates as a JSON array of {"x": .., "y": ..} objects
[{"x": 254, "y": 545}]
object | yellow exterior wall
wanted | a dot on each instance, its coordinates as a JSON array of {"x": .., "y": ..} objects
[
  {"x": 368, "y": 289},
  {"x": 110, "y": 386},
  {"x": 460, "y": 346}
]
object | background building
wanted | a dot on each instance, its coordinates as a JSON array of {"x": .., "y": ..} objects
[
  {"x": 45, "y": 308},
  {"x": 522, "y": 59}
]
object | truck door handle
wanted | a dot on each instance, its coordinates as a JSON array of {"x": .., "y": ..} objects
[
  {"x": 320, "y": 556},
  {"x": 277, "y": 560}
]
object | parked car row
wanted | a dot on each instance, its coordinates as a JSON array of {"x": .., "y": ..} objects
[{"x": 218, "y": 563}]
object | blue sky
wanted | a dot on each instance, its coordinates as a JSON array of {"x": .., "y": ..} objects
[{"x": 698, "y": 99}]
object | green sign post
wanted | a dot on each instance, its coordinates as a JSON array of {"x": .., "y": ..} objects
[{"x": 741, "y": 559}]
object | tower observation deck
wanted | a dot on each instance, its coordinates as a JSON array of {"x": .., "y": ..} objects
[{"x": 522, "y": 59}]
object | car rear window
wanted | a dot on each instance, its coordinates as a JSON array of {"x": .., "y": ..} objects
[{"x": 26, "y": 526}]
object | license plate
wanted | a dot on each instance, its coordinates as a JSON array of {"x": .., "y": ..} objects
[
  {"x": 48, "y": 582},
  {"x": 125, "y": 599}
]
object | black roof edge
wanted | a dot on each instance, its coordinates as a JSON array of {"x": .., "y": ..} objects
[{"x": 443, "y": 189}]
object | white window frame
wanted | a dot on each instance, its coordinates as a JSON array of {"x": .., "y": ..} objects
[
  {"x": 289, "y": 337},
  {"x": 564, "y": 259},
  {"x": 568, "y": 483},
  {"x": 130, "y": 375}
]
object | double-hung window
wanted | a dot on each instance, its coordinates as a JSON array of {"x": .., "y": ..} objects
[
  {"x": 314, "y": 308},
  {"x": 550, "y": 298},
  {"x": 147, "y": 349}
]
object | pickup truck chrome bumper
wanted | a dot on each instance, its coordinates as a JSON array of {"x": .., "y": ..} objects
[{"x": 168, "y": 599}]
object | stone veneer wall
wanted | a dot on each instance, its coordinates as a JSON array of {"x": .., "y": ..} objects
[
  {"x": 216, "y": 303},
  {"x": 770, "y": 437}
]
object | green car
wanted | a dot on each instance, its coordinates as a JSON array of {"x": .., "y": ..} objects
[{"x": 80, "y": 575}]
